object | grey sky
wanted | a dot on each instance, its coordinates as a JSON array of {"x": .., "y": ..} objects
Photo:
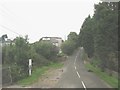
[{"x": 39, "y": 18}]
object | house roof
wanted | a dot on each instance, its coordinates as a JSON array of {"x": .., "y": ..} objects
[{"x": 53, "y": 37}]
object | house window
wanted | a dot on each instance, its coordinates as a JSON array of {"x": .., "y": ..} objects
[
  {"x": 56, "y": 44},
  {"x": 46, "y": 39}
]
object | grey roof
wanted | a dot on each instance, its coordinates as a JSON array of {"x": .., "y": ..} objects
[{"x": 53, "y": 37}]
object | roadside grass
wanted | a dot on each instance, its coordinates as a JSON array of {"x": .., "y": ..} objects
[
  {"x": 111, "y": 80},
  {"x": 37, "y": 73}
]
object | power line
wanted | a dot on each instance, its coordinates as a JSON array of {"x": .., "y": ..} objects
[
  {"x": 12, "y": 14},
  {"x": 20, "y": 20},
  {"x": 6, "y": 11},
  {"x": 9, "y": 30}
]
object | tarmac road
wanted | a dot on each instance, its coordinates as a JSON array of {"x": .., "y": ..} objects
[{"x": 77, "y": 76}]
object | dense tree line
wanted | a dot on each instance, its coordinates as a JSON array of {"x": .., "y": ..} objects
[
  {"x": 16, "y": 55},
  {"x": 70, "y": 44},
  {"x": 99, "y": 35}
]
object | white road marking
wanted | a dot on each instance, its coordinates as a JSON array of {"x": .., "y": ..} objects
[
  {"x": 75, "y": 60},
  {"x": 75, "y": 67},
  {"x": 78, "y": 74},
  {"x": 74, "y": 63},
  {"x": 75, "y": 57},
  {"x": 83, "y": 85}
]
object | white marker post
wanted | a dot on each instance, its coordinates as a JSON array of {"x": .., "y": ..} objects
[{"x": 30, "y": 67}]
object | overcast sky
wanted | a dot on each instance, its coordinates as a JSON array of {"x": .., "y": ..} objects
[{"x": 39, "y": 18}]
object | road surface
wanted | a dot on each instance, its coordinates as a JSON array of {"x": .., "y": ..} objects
[
  {"x": 77, "y": 76},
  {"x": 0, "y": 76}
]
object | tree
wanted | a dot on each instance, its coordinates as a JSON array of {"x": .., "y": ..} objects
[
  {"x": 38, "y": 59},
  {"x": 70, "y": 44},
  {"x": 46, "y": 49},
  {"x": 98, "y": 35},
  {"x": 86, "y": 36},
  {"x": 106, "y": 35},
  {"x": 17, "y": 55},
  {"x": 68, "y": 47}
]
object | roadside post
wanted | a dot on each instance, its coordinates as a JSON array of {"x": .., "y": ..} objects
[{"x": 30, "y": 67}]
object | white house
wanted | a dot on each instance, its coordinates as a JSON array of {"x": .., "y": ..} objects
[{"x": 57, "y": 41}]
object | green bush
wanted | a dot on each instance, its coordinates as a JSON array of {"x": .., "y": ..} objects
[
  {"x": 68, "y": 47},
  {"x": 46, "y": 49}
]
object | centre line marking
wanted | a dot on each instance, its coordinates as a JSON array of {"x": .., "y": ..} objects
[
  {"x": 78, "y": 74},
  {"x": 83, "y": 85},
  {"x": 75, "y": 60},
  {"x": 75, "y": 67},
  {"x": 75, "y": 57}
]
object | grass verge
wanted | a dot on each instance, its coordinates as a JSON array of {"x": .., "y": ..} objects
[
  {"x": 112, "y": 81},
  {"x": 37, "y": 73}
]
